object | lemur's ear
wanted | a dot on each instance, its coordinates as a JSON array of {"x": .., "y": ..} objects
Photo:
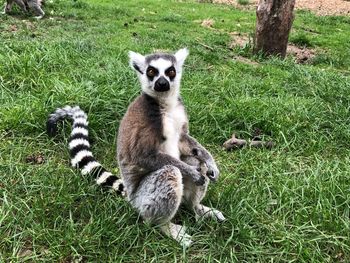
[
  {"x": 181, "y": 55},
  {"x": 137, "y": 61}
]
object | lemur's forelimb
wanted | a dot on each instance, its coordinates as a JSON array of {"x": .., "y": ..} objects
[
  {"x": 9, "y": 5},
  {"x": 35, "y": 5},
  {"x": 193, "y": 194},
  {"x": 189, "y": 146},
  {"x": 26, "y": 5}
]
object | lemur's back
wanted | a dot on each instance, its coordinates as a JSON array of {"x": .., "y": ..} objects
[{"x": 140, "y": 134}]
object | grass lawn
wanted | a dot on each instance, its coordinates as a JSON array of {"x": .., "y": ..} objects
[{"x": 290, "y": 203}]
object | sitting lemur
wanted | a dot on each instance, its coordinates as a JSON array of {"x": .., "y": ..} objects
[{"x": 161, "y": 164}]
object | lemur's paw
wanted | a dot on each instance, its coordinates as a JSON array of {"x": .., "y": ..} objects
[
  {"x": 186, "y": 240},
  {"x": 213, "y": 171},
  {"x": 178, "y": 232},
  {"x": 219, "y": 216},
  {"x": 200, "y": 181},
  {"x": 202, "y": 211},
  {"x": 38, "y": 17},
  {"x": 182, "y": 237}
]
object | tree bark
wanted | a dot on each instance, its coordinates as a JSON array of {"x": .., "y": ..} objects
[{"x": 274, "y": 21}]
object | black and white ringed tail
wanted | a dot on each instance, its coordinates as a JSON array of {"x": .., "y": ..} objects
[{"x": 79, "y": 147}]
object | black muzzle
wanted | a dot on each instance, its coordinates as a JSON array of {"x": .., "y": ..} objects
[{"x": 162, "y": 85}]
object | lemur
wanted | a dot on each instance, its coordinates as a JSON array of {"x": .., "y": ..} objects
[
  {"x": 161, "y": 164},
  {"x": 25, "y": 5},
  {"x": 153, "y": 144}
]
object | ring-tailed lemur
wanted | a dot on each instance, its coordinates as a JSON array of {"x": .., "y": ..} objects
[
  {"x": 79, "y": 147},
  {"x": 82, "y": 157},
  {"x": 158, "y": 159},
  {"x": 25, "y": 5},
  {"x": 161, "y": 164}
]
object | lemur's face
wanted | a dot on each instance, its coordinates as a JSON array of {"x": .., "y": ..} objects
[{"x": 159, "y": 73}]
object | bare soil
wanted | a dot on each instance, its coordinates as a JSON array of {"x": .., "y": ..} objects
[
  {"x": 320, "y": 7},
  {"x": 301, "y": 55}
]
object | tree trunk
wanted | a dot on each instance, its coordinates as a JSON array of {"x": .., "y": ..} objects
[{"x": 274, "y": 21}]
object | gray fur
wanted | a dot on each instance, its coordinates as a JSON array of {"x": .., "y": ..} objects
[
  {"x": 34, "y": 5},
  {"x": 161, "y": 164},
  {"x": 188, "y": 145},
  {"x": 193, "y": 194},
  {"x": 159, "y": 195},
  {"x": 164, "y": 56}
]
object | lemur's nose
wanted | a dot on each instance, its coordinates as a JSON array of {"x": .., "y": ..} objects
[{"x": 161, "y": 85}]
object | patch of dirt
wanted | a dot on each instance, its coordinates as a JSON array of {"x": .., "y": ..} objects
[
  {"x": 245, "y": 60},
  {"x": 238, "y": 39},
  {"x": 325, "y": 7},
  {"x": 35, "y": 159},
  {"x": 207, "y": 23},
  {"x": 320, "y": 7},
  {"x": 24, "y": 252},
  {"x": 12, "y": 28},
  {"x": 27, "y": 251},
  {"x": 29, "y": 25},
  {"x": 302, "y": 55},
  {"x": 74, "y": 259}
]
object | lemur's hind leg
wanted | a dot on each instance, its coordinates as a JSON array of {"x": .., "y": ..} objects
[
  {"x": 158, "y": 198},
  {"x": 193, "y": 194},
  {"x": 21, "y": 4},
  {"x": 8, "y": 7}
]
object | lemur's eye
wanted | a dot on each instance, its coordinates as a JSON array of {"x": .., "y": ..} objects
[
  {"x": 151, "y": 72},
  {"x": 170, "y": 72}
]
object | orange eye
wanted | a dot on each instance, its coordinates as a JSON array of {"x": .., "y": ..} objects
[
  {"x": 151, "y": 72},
  {"x": 172, "y": 74}
]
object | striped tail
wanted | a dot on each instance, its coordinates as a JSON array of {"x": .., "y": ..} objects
[{"x": 79, "y": 147}]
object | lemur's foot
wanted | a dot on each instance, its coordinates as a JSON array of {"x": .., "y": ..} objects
[
  {"x": 219, "y": 216},
  {"x": 38, "y": 17},
  {"x": 178, "y": 233},
  {"x": 203, "y": 211}
]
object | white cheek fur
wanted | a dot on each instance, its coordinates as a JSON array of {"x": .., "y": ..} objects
[{"x": 162, "y": 65}]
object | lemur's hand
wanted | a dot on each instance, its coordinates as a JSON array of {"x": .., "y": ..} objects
[{"x": 196, "y": 176}]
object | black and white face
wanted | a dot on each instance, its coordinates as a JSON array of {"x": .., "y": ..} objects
[{"x": 159, "y": 73}]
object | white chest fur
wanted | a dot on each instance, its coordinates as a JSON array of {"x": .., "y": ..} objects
[{"x": 173, "y": 120}]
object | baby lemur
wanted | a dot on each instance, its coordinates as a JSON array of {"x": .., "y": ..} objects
[
  {"x": 25, "y": 5},
  {"x": 161, "y": 164}
]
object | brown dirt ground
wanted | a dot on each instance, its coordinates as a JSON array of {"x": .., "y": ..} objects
[
  {"x": 301, "y": 55},
  {"x": 320, "y": 7}
]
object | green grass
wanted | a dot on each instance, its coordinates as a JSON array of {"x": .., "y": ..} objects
[
  {"x": 287, "y": 204},
  {"x": 243, "y": 2}
]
